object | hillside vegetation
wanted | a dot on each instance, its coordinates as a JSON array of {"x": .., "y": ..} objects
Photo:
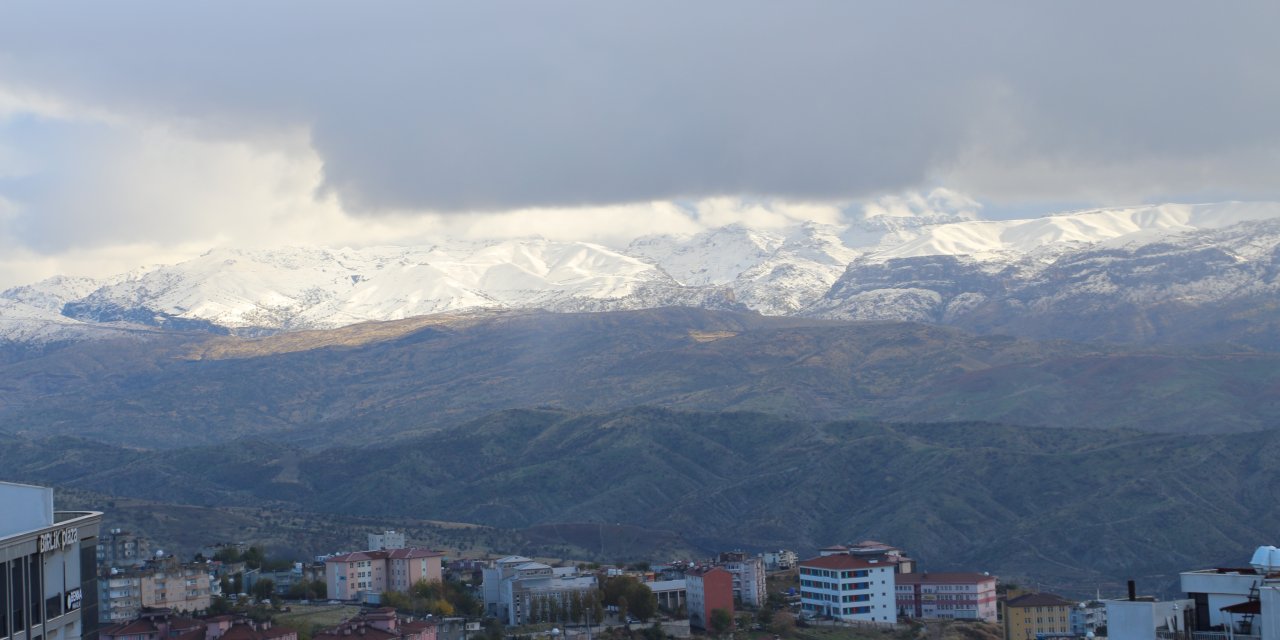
[
  {"x": 396, "y": 380},
  {"x": 1070, "y": 509}
]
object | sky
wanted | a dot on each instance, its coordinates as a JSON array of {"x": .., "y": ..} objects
[{"x": 142, "y": 132}]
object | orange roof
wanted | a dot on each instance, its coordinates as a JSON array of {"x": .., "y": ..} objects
[{"x": 133, "y": 627}]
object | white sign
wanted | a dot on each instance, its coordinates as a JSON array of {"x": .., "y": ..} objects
[{"x": 55, "y": 540}]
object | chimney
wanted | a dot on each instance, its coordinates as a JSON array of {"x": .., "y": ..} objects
[{"x": 1133, "y": 591}]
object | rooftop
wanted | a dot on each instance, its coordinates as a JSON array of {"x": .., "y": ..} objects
[
  {"x": 1039, "y": 600},
  {"x": 942, "y": 578},
  {"x": 841, "y": 561}
]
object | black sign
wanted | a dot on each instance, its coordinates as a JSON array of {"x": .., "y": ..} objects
[{"x": 73, "y": 599}]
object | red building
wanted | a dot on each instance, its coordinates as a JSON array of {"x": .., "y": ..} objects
[{"x": 707, "y": 589}]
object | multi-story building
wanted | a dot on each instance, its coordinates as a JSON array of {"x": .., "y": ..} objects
[
  {"x": 1088, "y": 617},
  {"x": 515, "y": 584},
  {"x": 364, "y": 574},
  {"x": 388, "y": 539},
  {"x": 161, "y": 583},
  {"x": 48, "y": 567},
  {"x": 874, "y": 550},
  {"x": 848, "y": 588},
  {"x": 748, "y": 576},
  {"x": 707, "y": 589},
  {"x": 962, "y": 596},
  {"x": 121, "y": 549},
  {"x": 1034, "y": 616},
  {"x": 779, "y": 560}
]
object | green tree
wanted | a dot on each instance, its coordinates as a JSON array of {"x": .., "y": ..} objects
[
  {"x": 254, "y": 557},
  {"x": 263, "y": 589},
  {"x": 721, "y": 621},
  {"x": 654, "y": 632},
  {"x": 784, "y": 624},
  {"x": 396, "y": 599},
  {"x": 576, "y": 609}
]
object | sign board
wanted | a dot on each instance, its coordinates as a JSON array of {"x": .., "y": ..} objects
[
  {"x": 73, "y": 599},
  {"x": 473, "y": 626},
  {"x": 55, "y": 540}
]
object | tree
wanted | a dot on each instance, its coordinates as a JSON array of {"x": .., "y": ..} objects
[
  {"x": 784, "y": 624},
  {"x": 721, "y": 621},
  {"x": 576, "y": 609},
  {"x": 396, "y": 600},
  {"x": 622, "y": 609},
  {"x": 263, "y": 589}
]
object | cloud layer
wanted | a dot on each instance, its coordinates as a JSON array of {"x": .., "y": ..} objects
[{"x": 165, "y": 123}]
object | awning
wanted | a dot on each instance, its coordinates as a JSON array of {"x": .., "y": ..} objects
[{"x": 1251, "y": 606}]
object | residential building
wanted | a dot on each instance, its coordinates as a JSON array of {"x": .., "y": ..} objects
[
  {"x": 163, "y": 624},
  {"x": 387, "y": 540},
  {"x": 874, "y": 550},
  {"x": 779, "y": 560},
  {"x": 848, "y": 588},
  {"x": 961, "y": 596},
  {"x": 1144, "y": 618},
  {"x": 707, "y": 589},
  {"x": 120, "y": 549},
  {"x": 516, "y": 585},
  {"x": 1034, "y": 616},
  {"x": 748, "y": 576},
  {"x": 380, "y": 624},
  {"x": 363, "y": 574},
  {"x": 160, "y": 583},
  {"x": 1088, "y": 617},
  {"x": 1237, "y": 601}
]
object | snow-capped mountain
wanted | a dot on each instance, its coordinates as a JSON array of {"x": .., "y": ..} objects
[{"x": 934, "y": 268}]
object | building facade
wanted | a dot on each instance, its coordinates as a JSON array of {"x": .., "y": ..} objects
[
  {"x": 516, "y": 587},
  {"x": 387, "y": 540},
  {"x": 960, "y": 596},
  {"x": 844, "y": 587},
  {"x": 162, "y": 583},
  {"x": 359, "y": 575},
  {"x": 779, "y": 560},
  {"x": 707, "y": 589},
  {"x": 1033, "y": 616},
  {"x": 121, "y": 549},
  {"x": 748, "y": 576},
  {"x": 48, "y": 567}
]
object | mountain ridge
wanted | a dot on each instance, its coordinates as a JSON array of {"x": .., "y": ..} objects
[{"x": 806, "y": 269}]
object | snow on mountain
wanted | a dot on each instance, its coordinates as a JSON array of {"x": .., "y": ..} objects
[
  {"x": 930, "y": 266},
  {"x": 996, "y": 240}
]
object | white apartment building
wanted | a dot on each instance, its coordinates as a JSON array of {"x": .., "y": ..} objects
[
  {"x": 749, "y": 586},
  {"x": 846, "y": 588},
  {"x": 958, "y": 596}
]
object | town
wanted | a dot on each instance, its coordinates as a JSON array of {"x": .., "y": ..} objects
[{"x": 63, "y": 576}]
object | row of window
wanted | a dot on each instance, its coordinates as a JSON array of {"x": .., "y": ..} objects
[
  {"x": 827, "y": 573},
  {"x": 836, "y": 586}
]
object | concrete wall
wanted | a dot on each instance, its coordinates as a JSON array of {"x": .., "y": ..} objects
[{"x": 25, "y": 508}]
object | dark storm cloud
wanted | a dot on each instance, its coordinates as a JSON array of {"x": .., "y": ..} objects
[{"x": 494, "y": 105}]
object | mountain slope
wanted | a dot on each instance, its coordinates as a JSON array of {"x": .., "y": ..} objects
[
  {"x": 1198, "y": 286},
  {"x": 392, "y": 379},
  {"x": 1074, "y": 509}
]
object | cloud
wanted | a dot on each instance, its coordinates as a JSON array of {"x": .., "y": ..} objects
[
  {"x": 506, "y": 105},
  {"x": 155, "y": 124}
]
